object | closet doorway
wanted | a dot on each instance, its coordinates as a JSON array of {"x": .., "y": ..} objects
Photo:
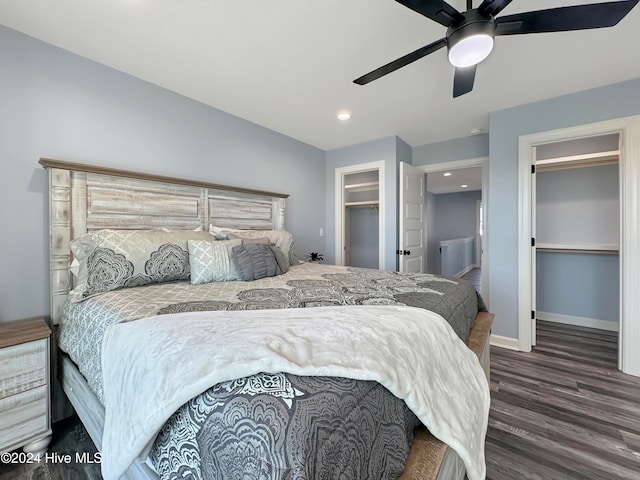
[
  {"x": 360, "y": 217},
  {"x": 628, "y": 129},
  {"x": 576, "y": 227}
]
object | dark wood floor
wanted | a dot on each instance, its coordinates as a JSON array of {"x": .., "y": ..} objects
[
  {"x": 69, "y": 446},
  {"x": 563, "y": 411},
  {"x": 475, "y": 277}
]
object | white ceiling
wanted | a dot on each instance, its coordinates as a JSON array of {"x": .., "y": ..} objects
[
  {"x": 438, "y": 183},
  {"x": 289, "y": 64}
]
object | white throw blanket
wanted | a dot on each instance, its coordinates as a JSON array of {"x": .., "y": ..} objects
[{"x": 154, "y": 365}]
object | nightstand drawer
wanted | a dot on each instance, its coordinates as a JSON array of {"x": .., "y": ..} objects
[
  {"x": 23, "y": 367},
  {"x": 23, "y": 416}
]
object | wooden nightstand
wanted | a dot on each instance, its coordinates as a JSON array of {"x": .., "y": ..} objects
[{"x": 25, "y": 419}]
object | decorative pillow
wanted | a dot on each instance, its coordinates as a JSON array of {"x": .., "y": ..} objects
[
  {"x": 252, "y": 241},
  {"x": 112, "y": 259},
  {"x": 280, "y": 238},
  {"x": 255, "y": 261},
  {"x": 210, "y": 261},
  {"x": 281, "y": 260}
]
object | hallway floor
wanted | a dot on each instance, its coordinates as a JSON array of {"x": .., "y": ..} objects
[{"x": 475, "y": 277}]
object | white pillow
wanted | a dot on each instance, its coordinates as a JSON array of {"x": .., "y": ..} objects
[{"x": 210, "y": 261}]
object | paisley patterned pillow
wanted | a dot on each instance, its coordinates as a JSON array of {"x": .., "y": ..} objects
[{"x": 112, "y": 259}]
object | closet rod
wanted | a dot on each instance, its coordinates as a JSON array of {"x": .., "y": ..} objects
[
  {"x": 577, "y": 250},
  {"x": 366, "y": 203}
]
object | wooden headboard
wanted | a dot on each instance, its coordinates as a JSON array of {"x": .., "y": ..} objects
[{"x": 83, "y": 198}]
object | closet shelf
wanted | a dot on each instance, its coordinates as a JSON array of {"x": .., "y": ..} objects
[
  {"x": 584, "y": 160},
  {"x": 362, "y": 187}
]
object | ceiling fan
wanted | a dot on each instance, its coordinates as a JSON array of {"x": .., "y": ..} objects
[{"x": 470, "y": 34}]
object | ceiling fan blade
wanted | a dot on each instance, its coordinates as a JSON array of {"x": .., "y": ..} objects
[
  {"x": 563, "y": 19},
  {"x": 437, "y": 10},
  {"x": 463, "y": 80},
  {"x": 493, "y": 7},
  {"x": 401, "y": 62}
]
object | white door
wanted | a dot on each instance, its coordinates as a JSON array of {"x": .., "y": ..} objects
[{"x": 410, "y": 242}]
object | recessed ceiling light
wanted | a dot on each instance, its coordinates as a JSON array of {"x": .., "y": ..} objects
[
  {"x": 464, "y": 185},
  {"x": 475, "y": 131},
  {"x": 344, "y": 116},
  {"x": 447, "y": 174}
]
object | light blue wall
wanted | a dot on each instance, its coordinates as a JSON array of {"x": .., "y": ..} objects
[
  {"x": 404, "y": 152},
  {"x": 505, "y": 128},
  {"x": 456, "y": 214},
  {"x": 578, "y": 205},
  {"x": 59, "y": 105},
  {"x": 474, "y": 146},
  {"x": 579, "y": 285},
  {"x": 387, "y": 149}
]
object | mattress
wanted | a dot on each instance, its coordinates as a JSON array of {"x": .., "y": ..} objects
[{"x": 276, "y": 425}]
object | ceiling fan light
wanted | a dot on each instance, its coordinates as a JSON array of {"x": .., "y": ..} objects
[{"x": 471, "y": 50}]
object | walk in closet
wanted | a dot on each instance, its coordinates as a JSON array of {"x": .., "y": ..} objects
[{"x": 577, "y": 232}]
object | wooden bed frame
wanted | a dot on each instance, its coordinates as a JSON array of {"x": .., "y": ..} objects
[{"x": 83, "y": 198}]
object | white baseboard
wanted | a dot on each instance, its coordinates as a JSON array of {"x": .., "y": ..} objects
[
  {"x": 504, "y": 342},
  {"x": 464, "y": 271},
  {"x": 579, "y": 321}
]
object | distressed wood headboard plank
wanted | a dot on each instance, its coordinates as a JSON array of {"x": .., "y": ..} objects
[
  {"x": 85, "y": 198},
  {"x": 116, "y": 202},
  {"x": 59, "y": 238}
]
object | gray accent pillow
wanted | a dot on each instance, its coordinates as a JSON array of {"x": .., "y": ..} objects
[
  {"x": 281, "y": 259},
  {"x": 255, "y": 261}
]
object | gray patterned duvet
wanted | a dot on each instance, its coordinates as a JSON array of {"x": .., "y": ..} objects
[{"x": 277, "y": 426}]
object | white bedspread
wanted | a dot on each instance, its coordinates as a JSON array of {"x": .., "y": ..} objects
[{"x": 154, "y": 365}]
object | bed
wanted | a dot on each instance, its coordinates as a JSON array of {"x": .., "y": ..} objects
[{"x": 302, "y": 395}]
